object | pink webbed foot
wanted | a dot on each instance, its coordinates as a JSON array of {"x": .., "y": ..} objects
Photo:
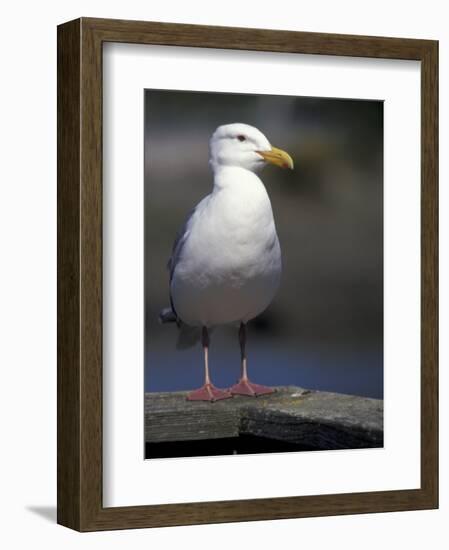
[
  {"x": 208, "y": 392},
  {"x": 245, "y": 387}
]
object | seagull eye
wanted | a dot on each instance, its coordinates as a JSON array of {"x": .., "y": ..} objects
[{"x": 241, "y": 138}]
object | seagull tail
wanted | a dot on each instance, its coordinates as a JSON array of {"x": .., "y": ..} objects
[{"x": 187, "y": 336}]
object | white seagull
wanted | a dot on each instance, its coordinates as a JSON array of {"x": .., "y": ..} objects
[{"x": 226, "y": 264}]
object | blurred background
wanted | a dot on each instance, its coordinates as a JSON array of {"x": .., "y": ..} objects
[{"x": 324, "y": 330}]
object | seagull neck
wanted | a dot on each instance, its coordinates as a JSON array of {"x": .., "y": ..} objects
[{"x": 229, "y": 176}]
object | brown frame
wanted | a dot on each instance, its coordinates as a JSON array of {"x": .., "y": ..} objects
[{"x": 80, "y": 274}]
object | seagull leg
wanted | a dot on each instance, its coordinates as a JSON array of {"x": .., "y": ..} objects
[
  {"x": 244, "y": 386},
  {"x": 207, "y": 392}
]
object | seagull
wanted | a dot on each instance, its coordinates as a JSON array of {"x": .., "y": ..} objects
[{"x": 225, "y": 266}]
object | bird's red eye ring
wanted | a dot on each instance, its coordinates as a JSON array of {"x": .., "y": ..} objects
[{"x": 241, "y": 138}]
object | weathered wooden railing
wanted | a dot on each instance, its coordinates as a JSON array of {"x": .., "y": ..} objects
[{"x": 290, "y": 419}]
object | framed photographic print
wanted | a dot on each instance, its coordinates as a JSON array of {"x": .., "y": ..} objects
[{"x": 247, "y": 274}]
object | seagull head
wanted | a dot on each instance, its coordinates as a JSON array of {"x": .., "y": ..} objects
[{"x": 244, "y": 146}]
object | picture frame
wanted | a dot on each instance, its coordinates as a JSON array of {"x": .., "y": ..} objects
[{"x": 80, "y": 274}]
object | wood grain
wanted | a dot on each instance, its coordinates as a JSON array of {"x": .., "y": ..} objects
[
  {"x": 429, "y": 272},
  {"x": 69, "y": 408},
  {"x": 80, "y": 274}
]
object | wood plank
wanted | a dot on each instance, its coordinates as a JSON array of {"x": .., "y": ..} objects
[{"x": 316, "y": 420}]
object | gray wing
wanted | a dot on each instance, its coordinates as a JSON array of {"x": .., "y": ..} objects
[
  {"x": 187, "y": 336},
  {"x": 182, "y": 236},
  {"x": 178, "y": 245}
]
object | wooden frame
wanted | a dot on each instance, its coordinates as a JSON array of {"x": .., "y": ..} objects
[{"x": 80, "y": 274}]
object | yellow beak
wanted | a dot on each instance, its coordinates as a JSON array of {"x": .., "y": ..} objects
[{"x": 278, "y": 157}]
